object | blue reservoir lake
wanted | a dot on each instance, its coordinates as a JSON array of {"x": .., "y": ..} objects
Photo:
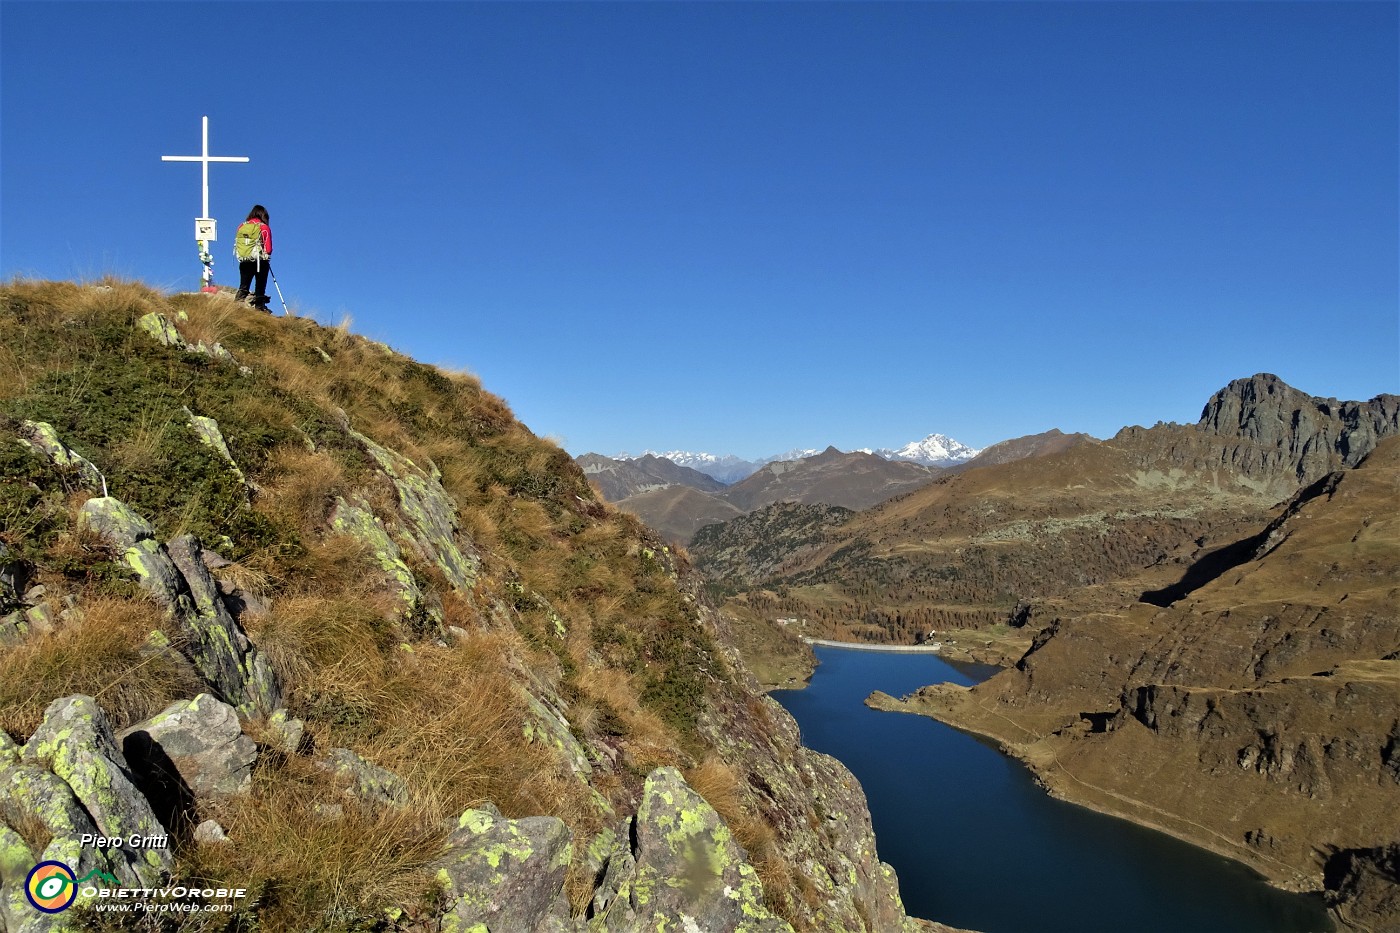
[{"x": 978, "y": 844}]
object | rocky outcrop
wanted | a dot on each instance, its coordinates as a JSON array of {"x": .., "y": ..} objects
[
  {"x": 682, "y": 867},
  {"x": 193, "y": 747},
  {"x": 73, "y": 779},
  {"x": 43, "y": 440},
  {"x": 429, "y": 514},
  {"x": 1296, "y": 432},
  {"x": 177, "y": 578},
  {"x": 162, "y": 330},
  {"x": 500, "y": 874},
  {"x": 1364, "y": 886},
  {"x": 357, "y": 521},
  {"x": 210, "y": 436},
  {"x": 364, "y": 781}
]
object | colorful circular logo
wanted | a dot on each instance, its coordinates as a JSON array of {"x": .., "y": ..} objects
[{"x": 51, "y": 887}]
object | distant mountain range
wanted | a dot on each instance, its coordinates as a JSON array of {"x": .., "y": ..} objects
[
  {"x": 936, "y": 450},
  {"x": 681, "y": 492}
]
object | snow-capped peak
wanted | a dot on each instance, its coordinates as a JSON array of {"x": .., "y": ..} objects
[{"x": 934, "y": 450}]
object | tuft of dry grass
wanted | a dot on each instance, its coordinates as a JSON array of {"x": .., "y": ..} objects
[
  {"x": 139, "y": 450},
  {"x": 318, "y": 865},
  {"x": 300, "y": 485},
  {"x": 103, "y": 655}
]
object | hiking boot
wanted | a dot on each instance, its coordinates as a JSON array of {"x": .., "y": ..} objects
[{"x": 241, "y": 295}]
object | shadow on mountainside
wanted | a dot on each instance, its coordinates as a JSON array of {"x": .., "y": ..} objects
[
  {"x": 1224, "y": 559},
  {"x": 1210, "y": 567}
]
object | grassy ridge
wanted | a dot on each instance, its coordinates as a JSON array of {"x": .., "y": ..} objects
[{"x": 572, "y": 597}]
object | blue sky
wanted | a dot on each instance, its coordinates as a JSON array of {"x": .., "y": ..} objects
[{"x": 748, "y": 227}]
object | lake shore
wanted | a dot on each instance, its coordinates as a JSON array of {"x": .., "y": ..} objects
[{"x": 949, "y": 704}]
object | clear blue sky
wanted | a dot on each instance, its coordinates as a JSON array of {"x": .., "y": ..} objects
[{"x": 747, "y": 227}]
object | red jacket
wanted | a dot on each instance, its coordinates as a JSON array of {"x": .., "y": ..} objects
[{"x": 266, "y": 236}]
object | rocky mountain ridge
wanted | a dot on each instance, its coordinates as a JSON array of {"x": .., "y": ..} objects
[
  {"x": 349, "y": 637},
  {"x": 969, "y": 547}
]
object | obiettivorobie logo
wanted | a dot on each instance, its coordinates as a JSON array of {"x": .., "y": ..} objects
[{"x": 52, "y": 887}]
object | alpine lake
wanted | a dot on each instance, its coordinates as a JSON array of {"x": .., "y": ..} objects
[{"x": 977, "y": 844}]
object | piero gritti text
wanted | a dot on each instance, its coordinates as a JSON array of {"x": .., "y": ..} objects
[{"x": 134, "y": 841}]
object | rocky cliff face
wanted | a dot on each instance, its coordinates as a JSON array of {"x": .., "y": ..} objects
[
  {"x": 378, "y": 656},
  {"x": 1308, "y": 435}
]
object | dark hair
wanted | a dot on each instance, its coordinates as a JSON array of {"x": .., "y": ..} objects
[{"x": 258, "y": 213}]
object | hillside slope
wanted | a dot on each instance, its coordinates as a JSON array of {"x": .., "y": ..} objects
[{"x": 362, "y": 645}]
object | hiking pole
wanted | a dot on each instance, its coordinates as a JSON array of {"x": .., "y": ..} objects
[{"x": 285, "y": 310}]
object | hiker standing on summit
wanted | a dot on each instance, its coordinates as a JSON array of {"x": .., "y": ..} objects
[{"x": 252, "y": 247}]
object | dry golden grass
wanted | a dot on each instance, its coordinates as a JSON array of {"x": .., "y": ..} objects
[
  {"x": 317, "y": 867},
  {"x": 300, "y": 485},
  {"x": 209, "y": 320},
  {"x": 139, "y": 450},
  {"x": 104, "y": 656},
  {"x": 329, "y": 649}
]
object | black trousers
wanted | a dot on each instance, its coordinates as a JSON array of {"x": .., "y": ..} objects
[{"x": 250, "y": 269}]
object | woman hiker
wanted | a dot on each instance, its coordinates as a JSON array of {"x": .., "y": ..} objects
[{"x": 252, "y": 247}]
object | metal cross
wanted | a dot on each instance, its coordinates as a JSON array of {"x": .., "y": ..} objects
[
  {"x": 205, "y": 158},
  {"x": 204, "y": 225}
]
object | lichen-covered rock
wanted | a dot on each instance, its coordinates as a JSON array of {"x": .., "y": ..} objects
[
  {"x": 16, "y": 860},
  {"x": 822, "y": 823},
  {"x": 429, "y": 513},
  {"x": 547, "y": 726},
  {"x": 213, "y": 438},
  {"x": 689, "y": 872},
  {"x": 284, "y": 732},
  {"x": 31, "y": 796},
  {"x": 161, "y": 329},
  {"x": 14, "y": 628},
  {"x": 231, "y": 663},
  {"x": 177, "y": 578},
  {"x": 366, "y": 781},
  {"x": 75, "y": 742},
  {"x": 505, "y": 875},
  {"x": 360, "y": 523},
  {"x": 41, "y": 437},
  {"x": 200, "y": 741}
]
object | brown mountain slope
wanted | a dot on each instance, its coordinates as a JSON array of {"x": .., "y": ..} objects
[
  {"x": 850, "y": 480},
  {"x": 1020, "y": 448},
  {"x": 618, "y": 479},
  {"x": 1258, "y": 714},
  {"x": 677, "y": 512}
]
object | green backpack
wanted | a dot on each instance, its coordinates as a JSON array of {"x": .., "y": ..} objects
[{"x": 248, "y": 242}]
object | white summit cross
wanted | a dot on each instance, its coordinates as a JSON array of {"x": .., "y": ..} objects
[{"x": 205, "y": 231}]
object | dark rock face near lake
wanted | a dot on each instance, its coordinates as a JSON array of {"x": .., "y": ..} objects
[{"x": 978, "y": 844}]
